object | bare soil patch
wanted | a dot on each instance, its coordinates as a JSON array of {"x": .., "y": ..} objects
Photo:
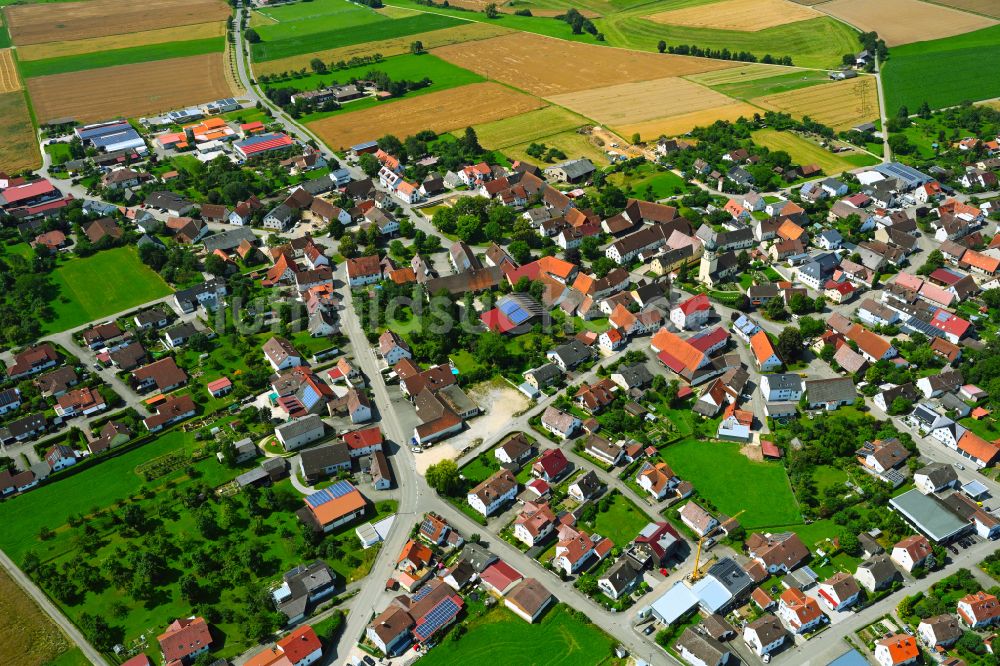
[
  {"x": 923, "y": 21},
  {"x": 629, "y": 103},
  {"x": 741, "y": 15},
  {"x": 840, "y": 105},
  {"x": 439, "y": 111},
  {"x": 129, "y": 90},
  {"x": 546, "y": 66},
  {"x": 64, "y": 21}
]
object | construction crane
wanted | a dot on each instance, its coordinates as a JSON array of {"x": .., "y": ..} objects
[{"x": 697, "y": 573}]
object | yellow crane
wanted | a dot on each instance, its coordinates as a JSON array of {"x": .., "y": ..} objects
[{"x": 697, "y": 573}]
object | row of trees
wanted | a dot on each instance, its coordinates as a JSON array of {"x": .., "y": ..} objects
[{"x": 721, "y": 54}]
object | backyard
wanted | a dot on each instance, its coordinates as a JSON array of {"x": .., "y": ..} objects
[
  {"x": 620, "y": 521},
  {"x": 101, "y": 284},
  {"x": 560, "y": 638}
]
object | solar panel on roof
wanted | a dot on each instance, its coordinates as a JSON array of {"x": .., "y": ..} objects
[
  {"x": 318, "y": 498},
  {"x": 422, "y": 592},
  {"x": 437, "y": 618},
  {"x": 340, "y": 489}
]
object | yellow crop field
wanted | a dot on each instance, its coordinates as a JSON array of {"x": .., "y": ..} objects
[
  {"x": 573, "y": 143},
  {"x": 441, "y": 111},
  {"x": 840, "y": 105},
  {"x": 547, "y": 66},
  {"x": 9, "y": 80},
  {"x": 18, "y": 146},
  {"x": 467, "y": 32},
  {"x": 97, "y": 44},
  {"x": 629, "y": 103},
  {"x": 741, "y": 15},
  {"x": 677, "y": 125},
  {"x": 924, "y": 21}
]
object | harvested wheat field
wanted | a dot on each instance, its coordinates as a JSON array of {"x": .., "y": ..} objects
[
  {"x": 18, "y": 146},
  {"x": 840, "y": 105},
  {"x": 685, "y": 122},
  {"x": 741, "y": 15},
  {"x": 988, "y": 7},
  {"x": 468, "y": 32},
  {"x": 924, "y": 21},
  {"x": 439, "y": 111},
  {"x": 28, "y": 637},
  {"x": 539, "y": 64},
  {"x": 753, "y": 72},
  {"x": 97, "y": 44},
  {"x": 65, "y": 21},
  {"x": 630, "y": 103},
  {"x": 129, "y": 90},
  {"x": 9, "y": 80}
]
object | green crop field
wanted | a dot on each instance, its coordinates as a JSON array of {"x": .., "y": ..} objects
[
  {"x": 560, "y": 639},
  {"x": 733, "y": 482},
  {"x": 943, "y": 72},
  {"x": 102, "y": 284},
  {"x": 772, "y": 85},
  {"x": 402, "y": 67},
  {"x": 804, "y": 151},
  {"x": 818, "y": 42},
  {"x": 129, "y": 56},
  {"x": 306, "y": 18},
  {"x": 335, "y": 38}
]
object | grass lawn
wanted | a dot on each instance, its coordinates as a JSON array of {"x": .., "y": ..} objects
[
  {"x": 402, "y": 67},
  {"x": 104, "y": 283},
  {"x": 304, "y": 18},
  {"x": 621, "y": 522},
  {"x": 571, "y": 142},
  {"x": 826, "y": 476},
  {"x": 481, "y": 468},
  {"x": 29, "y": 635},
  {"x": 772, "y": 84},
  {"x": 804, "y": 151},
  {"x": 60, "y": 152},
  {"x": 661, "y": 184},
  {"x": 127, "y": 56},
  {"x": 465, "y": 363},
  {"x": 331, "y": 38},
  {"x": 985, "y": 428},
  {"x": 733, "y": 482},
  {"x": 907, "y": 73},
  {"x": 560, "y": 638}
]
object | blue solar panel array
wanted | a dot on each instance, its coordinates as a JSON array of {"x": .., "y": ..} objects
[
  {"x": 422, "y": 592},
  {"x": 439, "y": 616},
  {"x": 335, "y": 491},
  {"x": 514, "y": 311}
]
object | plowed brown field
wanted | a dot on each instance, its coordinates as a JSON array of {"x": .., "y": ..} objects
[
  {"x": 129, "y": 90},
  {"x": 547, "y": 66}
]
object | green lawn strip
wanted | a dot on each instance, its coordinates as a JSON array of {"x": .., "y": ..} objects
[
  {"x": 128, "y": 56},
  {"x": 561, "y": 638},
  {"x": 335, "y": 38},
  {"x": 984, "y": 427},
  {"x": 733, "y": 482},
  {"x": 101, "y": 284},
  {"x": 827, "y": 476},
  {"x": 407, "y": 67},
  {"x": 305, "y": 18},
  {"x": 906, "y": 74},
  {"x": 59, "y": 152},
  {"x": 772, "y": 85}
]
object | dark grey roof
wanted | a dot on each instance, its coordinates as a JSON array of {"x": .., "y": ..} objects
[
  {"x": 231, "y": 239},
  {"x": 589, "y": 484},
  {"x": 732, "y": 576},
  {"x": 572, "y": 353},
  {"x": 621, "y": 574},
  {"x": 635, "y": 375},
  {"x": 784, "y": 381},
  {"x": 940, "y": 474},
  {"x": 705, "y": 648},
  {"x": 315, "y": 460},
  {"x": 831, "y": 390},
  {"x": 479, "y": 557},
  {"x": 546, "y": 372},
  {"x": 576, "y": 168}
]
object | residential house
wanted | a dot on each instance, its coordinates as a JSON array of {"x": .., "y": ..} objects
[{"x": 911, "y": 552}]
